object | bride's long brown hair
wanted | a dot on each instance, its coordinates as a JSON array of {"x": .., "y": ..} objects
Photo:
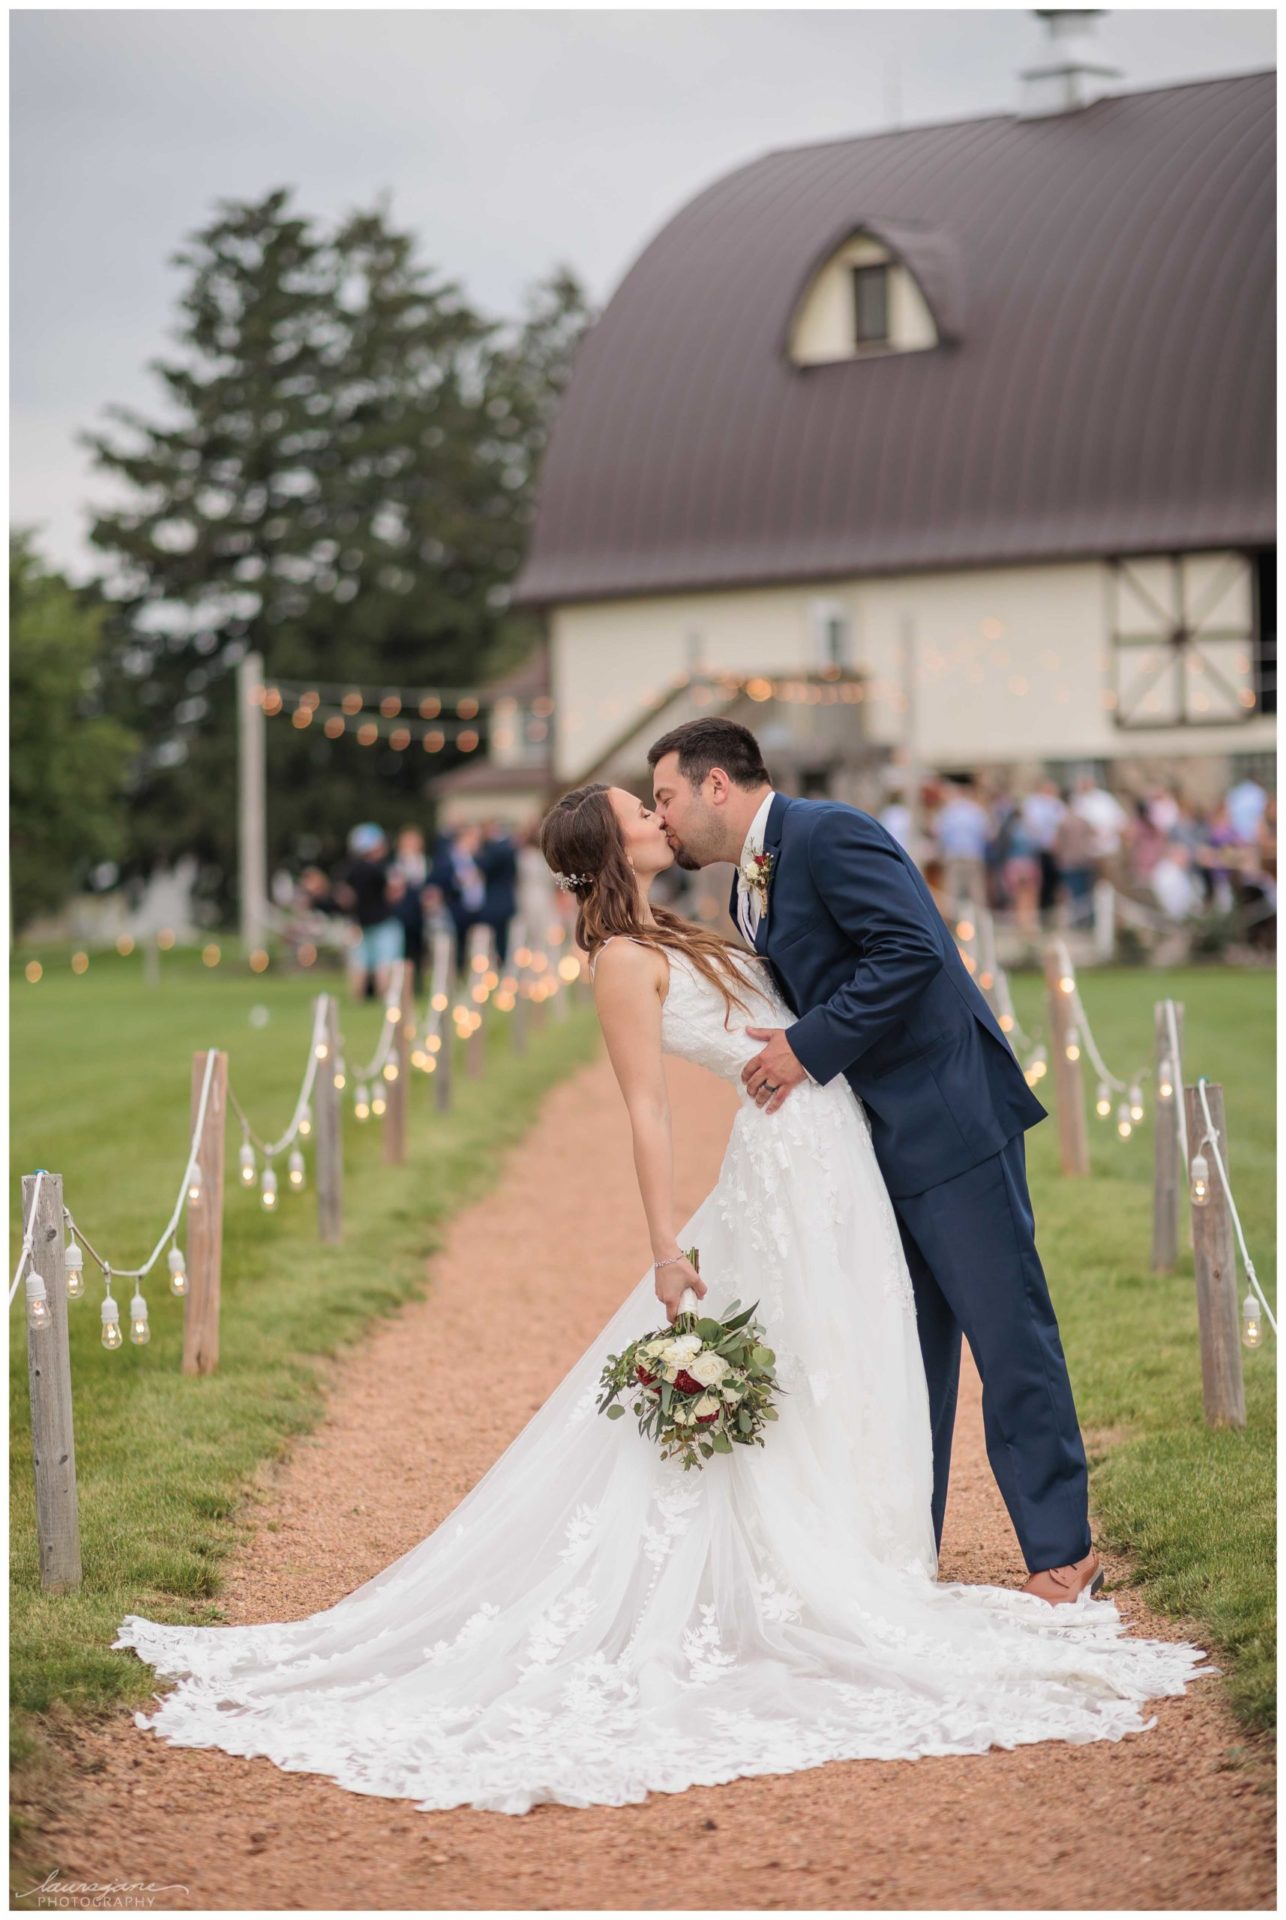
[{"x": 581, "y": 835}]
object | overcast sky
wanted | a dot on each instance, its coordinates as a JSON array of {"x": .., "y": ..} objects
[{"x": 507, "y": 141}]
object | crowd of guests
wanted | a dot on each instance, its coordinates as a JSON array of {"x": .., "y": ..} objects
[
  {"x": 1038, "y": 854},
  {"x": 394, "y": 899},
  {"x": 1035, "y": 854}
]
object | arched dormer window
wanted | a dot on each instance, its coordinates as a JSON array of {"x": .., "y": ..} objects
[{"x": 867, "y": 299}]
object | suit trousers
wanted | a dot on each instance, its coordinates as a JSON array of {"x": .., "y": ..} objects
[{"x": 971, "y": 1249}]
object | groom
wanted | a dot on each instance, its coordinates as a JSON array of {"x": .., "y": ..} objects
[{"x": 863, "y": 956}]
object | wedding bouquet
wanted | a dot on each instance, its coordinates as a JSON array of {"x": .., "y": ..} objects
[{"x": 703, "y": 1385}]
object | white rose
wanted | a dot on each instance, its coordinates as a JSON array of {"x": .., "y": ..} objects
[
  {"x": 709, "y": 1368},
  {"x": 706, "y": 1404},
  {"x": 677, "y": 1352},
  {"x": 670, "y": 1373},
  {"x": 684, "y": 1416}
]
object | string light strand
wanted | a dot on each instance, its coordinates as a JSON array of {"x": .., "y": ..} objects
[
  {"x": 140, "y": 1273},
  {"x": 270, "y": 1151}
]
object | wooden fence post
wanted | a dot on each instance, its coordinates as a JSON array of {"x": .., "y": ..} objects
[
  {"x": 1104, "y": 922},
  {"x": 1069, "y": 1092},
  {"x": 479, "y": 968},
  {"x": 1215, "y": 1260},
  {"x": 400, "y": 1053},
  {"x": 539, "y": 999},
  {"x": 443, "y": 1026},
  {"x": 53, "y": 1447},
  {"x": 521, "y": 1009},
  {"x": 1169, "y": 1174},
  {"x": 560, "y": 998},
  {"x": 205, "y": 1222},
  {"x": 988, "y": 976},
  {"x": 326, "y": 1112}
]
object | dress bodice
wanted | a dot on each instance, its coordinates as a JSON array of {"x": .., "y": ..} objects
[{"x": 697, "y": 1025}]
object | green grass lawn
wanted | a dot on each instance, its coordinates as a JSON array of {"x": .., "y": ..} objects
[
  {"x": 1194, "y": 1507},
  {"x": 100, "y": 1092},
  {"x": 100, "y": 1082}
]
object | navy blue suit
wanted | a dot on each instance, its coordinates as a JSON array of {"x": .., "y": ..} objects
[{"x": 867, "y": 963}]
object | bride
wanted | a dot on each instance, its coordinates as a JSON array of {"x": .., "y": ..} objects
[{"x": 591, "y": 1623}]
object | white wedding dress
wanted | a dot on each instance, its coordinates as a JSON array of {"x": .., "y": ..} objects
[{"x": 592, "y": 1624}]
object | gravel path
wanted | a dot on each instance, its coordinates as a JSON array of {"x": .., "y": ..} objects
[{"x": 1179, "y": 1816}]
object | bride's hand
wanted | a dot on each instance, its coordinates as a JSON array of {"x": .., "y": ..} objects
[{"x": 671, "y": 1282}]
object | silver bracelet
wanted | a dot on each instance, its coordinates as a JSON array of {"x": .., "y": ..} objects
[{"x": 672, "y": 1261}]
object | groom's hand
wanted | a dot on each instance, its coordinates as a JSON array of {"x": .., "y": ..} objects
[{"x": 775, "y": 1068}]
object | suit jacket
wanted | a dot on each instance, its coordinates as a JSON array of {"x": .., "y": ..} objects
[
  {"x": 868, "y": 964},
  {"x": 498, "y": 859}
]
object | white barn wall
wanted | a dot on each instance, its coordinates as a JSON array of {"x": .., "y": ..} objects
[{"x": 1014, "y": 662}]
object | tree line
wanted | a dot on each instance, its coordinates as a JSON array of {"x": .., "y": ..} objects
[{"x": 341, "y": 478}]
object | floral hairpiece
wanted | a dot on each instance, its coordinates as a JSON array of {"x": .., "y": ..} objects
[{"x": 565, "y": 882}]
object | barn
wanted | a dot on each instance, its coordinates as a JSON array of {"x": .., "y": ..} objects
[{"x": 944, "y": 447}]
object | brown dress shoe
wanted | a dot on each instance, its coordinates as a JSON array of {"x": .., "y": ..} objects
[{"x": 1057, "y": 1584}]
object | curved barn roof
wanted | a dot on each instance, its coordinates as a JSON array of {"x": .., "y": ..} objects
[{"x": 1103, "y": 285}]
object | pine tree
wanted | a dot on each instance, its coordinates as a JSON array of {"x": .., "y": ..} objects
[{"x": 342, "y": 487}]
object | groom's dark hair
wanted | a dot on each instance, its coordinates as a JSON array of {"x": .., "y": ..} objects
[{"x": 702, "y": 744}]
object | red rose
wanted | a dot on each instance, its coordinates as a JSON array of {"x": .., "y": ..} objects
[
  {"x": 704, "y": 1419},
  {"x": 686, "y": 1384},
  {"x": 647, "y": 1378}
]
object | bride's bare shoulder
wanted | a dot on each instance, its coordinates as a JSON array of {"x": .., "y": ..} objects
[{"x": 624, "y": 967}]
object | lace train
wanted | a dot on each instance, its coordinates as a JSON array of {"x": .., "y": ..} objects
[{"x": 591, "y": 1624}]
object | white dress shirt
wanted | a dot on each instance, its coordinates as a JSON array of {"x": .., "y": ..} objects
[{"x": 749, "y": 905}]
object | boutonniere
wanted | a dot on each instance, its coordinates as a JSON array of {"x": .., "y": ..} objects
[{"x": 756, "y": 871}]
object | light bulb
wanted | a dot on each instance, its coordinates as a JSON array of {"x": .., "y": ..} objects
[
  {"x": 1073, "y": 1048},
  {"x": 178, "y": 1272},
  {"x": 321, "y": 1051},
  {"x": 268, "y": 1189},
  {"x": 393, "y": 1014},
  {"x": 295, "y": 1164},
  {"x": 306, "y": 1122},
  {"x": 74, "y": 1269},
  {"x": 1200, "y": 1180},
  {"x": 340, "y": 1079},
  {"x": 1066, "y": 984},
  {"x": 390, "y": 1070},
  {"x": 194, "y": 1182},
  {"x": 139, "y": 1331},
  {"x": 362, "y": 1104},
  {"x": 1136, "y": 1102},
  {"x": 110, "y": 1315},
  {"x": 1124, "y": 1124},
  {"x": 1006, "y": 1023},
  {"x": 247, "y": 1164},
  {"x": 38, "y": 1316},
  {"x": 1252, "y": 1330},
  {"x": 1165, "y": 1081},
  {"x": 1103, "y": 1100},
  {"x": 378, "y": 1102}
]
